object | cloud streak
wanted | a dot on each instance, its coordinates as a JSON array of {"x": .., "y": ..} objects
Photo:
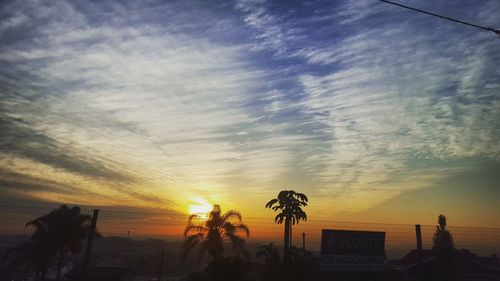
[{"x": 153, "y": 104}]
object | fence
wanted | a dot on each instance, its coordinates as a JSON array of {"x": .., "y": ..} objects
[{"x": 400, "y": 238}]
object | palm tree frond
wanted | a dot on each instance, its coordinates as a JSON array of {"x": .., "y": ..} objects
[
  {"x": 244, "y": 228},
  {"x": 262, "y": 253},
  {"x": 271, "y": 203},
  {"x": 284, "y": 194},
  {"x": 232, "y": 214},
  {"x": 35, "y": 223},
  {"x": 270, "y": 254},
  {"x": 238, "y": 244},
  {"x": 302, "y": 197},
  {"x": 228, "y": 227},
  {"x": 193, "y": 216},
  {"x": 200, "y": 229},
  {"x": 279, "y": 218}
]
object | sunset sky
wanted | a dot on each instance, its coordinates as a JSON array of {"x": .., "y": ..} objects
[{"x": 375, "y": 112}]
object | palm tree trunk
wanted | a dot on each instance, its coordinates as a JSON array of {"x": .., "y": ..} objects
[
  {"x": 286, "y": 245},
  {"x": 291, "y": 237},
  {"x": 59, "y": 265}
]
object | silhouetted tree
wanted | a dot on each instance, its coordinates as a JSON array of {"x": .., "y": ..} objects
[
  {"x": 300, "y": 266},
  {"x": 33, "y": 255},
  {"x": 273, "y": 268},
  {"x": 209, "y": 235},
  {"x": 290, "y": 204},
  {"x": 269, "y": 253},
  {"x": 443, "y": 240},
  {"x": 444, "y": 247},
  {"x": 60, "y": 231}
]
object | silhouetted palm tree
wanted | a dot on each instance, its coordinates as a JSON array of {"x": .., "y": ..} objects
[
  {"x": 269, "y": 253},
  {"x": 290, "y": 204},
  {"x": 273, "y": 268},
  {"x": 300, "y": 266},
  {"x": 210, "y": 234},
  {"x": 58, "y": 232}
]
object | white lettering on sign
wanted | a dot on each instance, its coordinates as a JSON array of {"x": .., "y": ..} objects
[
  {"x": 357, "y": 243},
  {"x": 349, "y": 250},
  {"x": 352, "y": 263}
]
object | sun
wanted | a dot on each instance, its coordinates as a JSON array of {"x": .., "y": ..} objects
[{"x": 201, "y": 206}]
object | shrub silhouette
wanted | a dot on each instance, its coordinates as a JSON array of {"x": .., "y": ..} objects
[
  {"x": 300, "y": 266},
  {"x": 444, "y": 248}
]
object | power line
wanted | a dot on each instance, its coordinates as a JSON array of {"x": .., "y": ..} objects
[{"x": 497, "y": 31}]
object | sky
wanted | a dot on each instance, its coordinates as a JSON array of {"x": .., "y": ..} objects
[{"x": 375, "y": 112}]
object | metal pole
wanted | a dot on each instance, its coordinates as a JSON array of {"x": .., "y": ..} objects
[
  {"x": 90, "y": 241},
  {"x": 418, "y": 232}
]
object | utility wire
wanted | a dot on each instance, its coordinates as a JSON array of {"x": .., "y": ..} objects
[{"x": 497, "y": 31}]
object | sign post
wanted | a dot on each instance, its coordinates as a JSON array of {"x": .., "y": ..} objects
[{"x": 352, "y": 251}]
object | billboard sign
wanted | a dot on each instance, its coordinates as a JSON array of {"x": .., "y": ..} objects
[{"x": 347, "y": 250}]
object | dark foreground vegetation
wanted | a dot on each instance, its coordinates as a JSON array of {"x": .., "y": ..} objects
[{"x": 215, "y": 248}]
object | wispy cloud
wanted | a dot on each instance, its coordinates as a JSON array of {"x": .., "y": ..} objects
[
  {"x": 149, "y": 104},
  {"x": 396, "y": 93}
]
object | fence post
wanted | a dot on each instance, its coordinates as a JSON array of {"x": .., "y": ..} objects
[
  {"x": 418, "y": 232},
  {"x": 90, "y": 240}
]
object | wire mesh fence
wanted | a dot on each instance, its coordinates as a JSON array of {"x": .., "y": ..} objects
[{"x": 400, "y": 238}]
